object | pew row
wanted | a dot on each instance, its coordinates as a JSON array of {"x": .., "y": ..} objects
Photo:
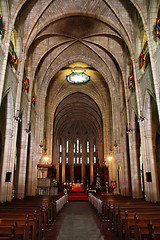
[{"x": 129, "y": 218}]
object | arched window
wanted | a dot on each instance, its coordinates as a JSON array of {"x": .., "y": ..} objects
[
  {"x": 67, "y": 146},
  {"x": 87, "y": 146},
  {"x": 60, "y": 146},
  {"x": 60, "y": 151},
  {"x": 94, "y": 151},
  {"x": 74, "y": 148},
  {"x": 77, "y": 145},
  {"x": 144, "y": 57},
  {"x": 80, "y": 148}
]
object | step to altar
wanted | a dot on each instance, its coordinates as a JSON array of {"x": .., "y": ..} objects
[{"x": 78, "y": 194}]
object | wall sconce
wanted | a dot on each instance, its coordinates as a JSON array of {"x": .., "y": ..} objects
[
  {"x": 17, "y": 118},
  {"x": 41, "y": 145},
  {"x": 45, "y": 150},
  {"x": 115, "y": 145},
  {"x": 130, "y": 130},
  {"x": 110, "y": 158},
  {"x": 110, "y": 154},
  {"x": 141, "y": 117},
  {"x": 28, "y": 129},
  {"x": 46, "y": 159}
]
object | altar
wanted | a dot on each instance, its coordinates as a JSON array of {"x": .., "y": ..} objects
[{"x": 77, "y": 185}]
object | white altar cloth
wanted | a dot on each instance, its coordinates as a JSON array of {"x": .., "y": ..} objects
[
  {"x": 60, "y": 203},
  {"x": 96, "y": 202}
]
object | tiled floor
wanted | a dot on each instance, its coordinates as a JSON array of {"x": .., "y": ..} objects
[{"x": 79, "y": 221}]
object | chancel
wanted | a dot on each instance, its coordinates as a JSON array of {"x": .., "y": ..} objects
[{"x": 79, "y": 119}]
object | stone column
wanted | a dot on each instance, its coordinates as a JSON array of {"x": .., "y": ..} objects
[
  {"x": 150, "y": 166},
  {"x": 56, "y": 158},
  {"x": 21, "y": 171},
  {"x": 135, "y": 167},
  {"x": 91, "y": 162}
]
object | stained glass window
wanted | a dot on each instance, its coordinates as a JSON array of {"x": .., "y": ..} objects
[
  {"x": 67, "y": 160},
  {"x": 67, "y": 144},
  {"x": 80, "y": 160},
  {"x": 74, "y": 160},
  {"x": 80, "y": 148},
  {"x": 74, "y": 148},
  {"x": 87, "y": 146},
  {"x": 94, "y": 159},
  {"x": 87, "y": 160},
  {"x": 77, "y": 145},
  {"x": 60, "y": 148},
  {"x": 77, "y": 160},
  {"x": 77, "y": 78},
  {"x": 60, "y": 160},
  {"x": 94, "y": 148}
]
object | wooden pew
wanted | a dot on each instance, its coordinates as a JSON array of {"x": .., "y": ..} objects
[
  {"x": 122, "y": 221},
  {"x": 41, "y": 211},
  {"x": 8, "y": 232}
]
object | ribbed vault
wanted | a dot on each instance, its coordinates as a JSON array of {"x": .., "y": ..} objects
[{"x": 75, "y": 112}]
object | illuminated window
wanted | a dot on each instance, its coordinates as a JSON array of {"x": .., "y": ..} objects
[
  {"x": 74, "y": 160},
  {"x": 77, "y": 160},
  {"x": 60, "y": 160},
  {"x": 74, "y": 148},
  {"x": 94, "y": 148},
  {"x": 60, "y": 148},
  {"x": 80, "y": 148},
  {"x": 67, "y": 160},
  {"x": 94, "y": 159},
  {"x": 67, "y": 144},
  {"x": 77, "y": 145},
  {"x": 87, "y": 160},
  {"x": 87, "y": 146},
  {"x": 80, "y": 160}
]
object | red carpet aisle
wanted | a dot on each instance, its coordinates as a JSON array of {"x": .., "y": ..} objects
[{"x": 78, "y": 194}]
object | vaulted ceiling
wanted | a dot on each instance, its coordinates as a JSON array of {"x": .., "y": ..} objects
[{"x": 56, "y": 33}]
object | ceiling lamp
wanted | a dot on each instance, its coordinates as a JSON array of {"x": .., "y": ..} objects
[{"x": 77, "y": 77}]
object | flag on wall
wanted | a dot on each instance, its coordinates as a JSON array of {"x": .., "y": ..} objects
[
  {"x": 142, "y": 58},
  {"x": 1, "y": 24},
  {"x": 33, "y": 98},
  {"x": 26, "y": 84},
  {"x": 157, "y": 27},
  {"x": 144, "y": 55},
  {"x": 14, "y": 59},
  {"x": 131, "y": 82}
]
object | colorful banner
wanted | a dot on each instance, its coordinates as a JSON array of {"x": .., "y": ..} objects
[
  {"x": 1, "y": 24},
  {"x": 14, "y": 59},
  {"x": 113, "y": 184},
  {"x": 131, "y": 82},
  {"x": 33, "y": 98},
  {"x": 26, "y": 84},
  {"x": 157, "y": 27}
]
